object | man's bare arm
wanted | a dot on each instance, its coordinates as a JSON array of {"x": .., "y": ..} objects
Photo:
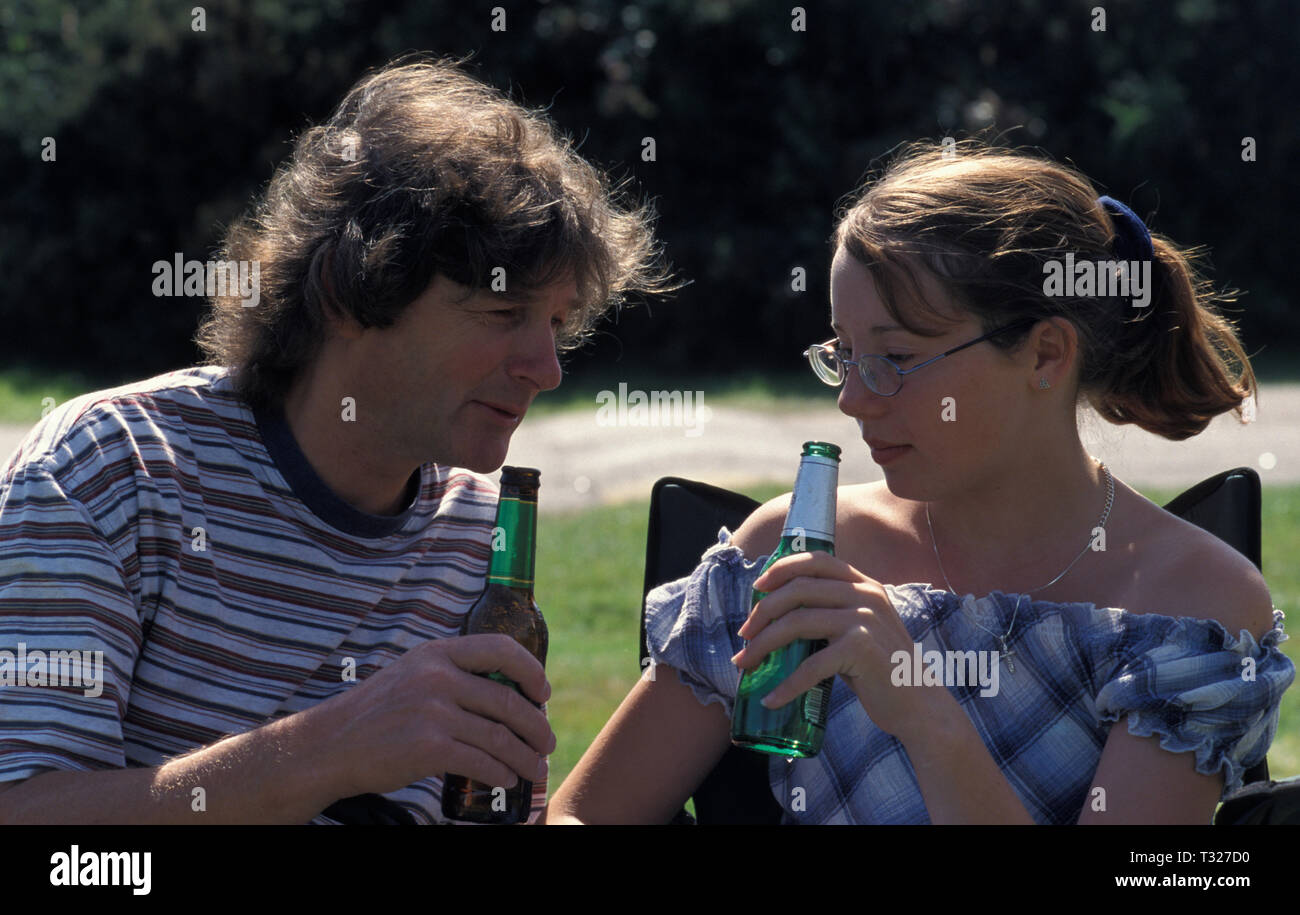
[
  {"x": 424, "y": 714},
  {"x": 267, "y": 775}
]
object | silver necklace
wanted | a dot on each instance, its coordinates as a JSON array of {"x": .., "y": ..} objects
[{"x": 1002, "y": 639}]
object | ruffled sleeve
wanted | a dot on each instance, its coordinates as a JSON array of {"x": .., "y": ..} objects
[
  {"x": 691, "y": 623},
  {"x": 1201, "y": 689}
]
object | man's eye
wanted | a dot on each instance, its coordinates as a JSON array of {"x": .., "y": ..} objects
[{"x": 898, "y": 357}]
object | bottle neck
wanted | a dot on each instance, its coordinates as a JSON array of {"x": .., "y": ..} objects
[
  {"x": 812, "y": 504},
  {"x": 514, "y": 540}
]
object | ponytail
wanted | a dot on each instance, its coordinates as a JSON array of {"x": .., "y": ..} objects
[{"x": 1188, "y": 365}]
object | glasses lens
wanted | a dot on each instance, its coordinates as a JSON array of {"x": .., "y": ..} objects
[
  {"x": 825, "y": 365},
  {"x": 879, "y": 374}
]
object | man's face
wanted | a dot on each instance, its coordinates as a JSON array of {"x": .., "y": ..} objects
[{"x": 453, "y": 377}]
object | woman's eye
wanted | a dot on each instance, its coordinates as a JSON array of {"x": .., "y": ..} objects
[{"x": 898, "y": 357}]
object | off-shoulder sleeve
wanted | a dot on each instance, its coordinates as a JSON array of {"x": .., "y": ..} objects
[
  {"x": 1200, "y": 688},
  {"x": 691, "y": 623}
]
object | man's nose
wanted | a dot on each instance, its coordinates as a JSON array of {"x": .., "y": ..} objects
[{"x": 537, "y": 361}]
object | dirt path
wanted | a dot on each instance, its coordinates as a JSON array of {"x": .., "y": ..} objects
[{"x": 584, "y": 463}]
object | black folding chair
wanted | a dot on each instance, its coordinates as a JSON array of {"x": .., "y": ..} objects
[{"x": 684, "y": 519}]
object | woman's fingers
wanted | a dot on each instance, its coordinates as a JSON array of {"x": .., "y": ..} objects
[
  {"x": 803, "y": 623},
  {"x": 804, "y": 592},
  {"x": 818, "y": 563},
  {"x": 817, "y": 667}
]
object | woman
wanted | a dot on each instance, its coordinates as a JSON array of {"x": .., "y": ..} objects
[{"x": 1104, "y": 608}]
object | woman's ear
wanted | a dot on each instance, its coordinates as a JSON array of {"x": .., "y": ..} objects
[{"x": 1052, "y": 351}]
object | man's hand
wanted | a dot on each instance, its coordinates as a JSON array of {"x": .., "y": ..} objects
[
  {"x": 424, "y": 714},
  {"x": 430, "y": 713}
]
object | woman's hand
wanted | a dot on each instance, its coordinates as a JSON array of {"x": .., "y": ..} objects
[{"x": 816, "y": 596}]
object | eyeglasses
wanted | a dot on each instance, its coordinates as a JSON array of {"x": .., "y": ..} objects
[{"x": 881, "y": 375}]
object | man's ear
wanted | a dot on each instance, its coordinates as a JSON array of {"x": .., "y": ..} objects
[{"x": 321, "y": 285}]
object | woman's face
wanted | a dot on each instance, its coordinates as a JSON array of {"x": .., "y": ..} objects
[{"x": 958, "y": 422}]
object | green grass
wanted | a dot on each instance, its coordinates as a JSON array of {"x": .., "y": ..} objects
[
  {"x": 26, "y": 393},
  {"x": 593, "y": 611}
]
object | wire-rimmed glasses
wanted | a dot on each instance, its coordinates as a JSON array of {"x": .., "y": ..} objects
[{"x": 880, "y": 374}]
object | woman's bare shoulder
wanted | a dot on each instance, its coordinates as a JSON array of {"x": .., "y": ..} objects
[
  {"x": 871, "y": 509},
  {"x": 862, "y": 512},
  {"x": 759, "y": 534},
  {"x": 1191, "y": 572}
]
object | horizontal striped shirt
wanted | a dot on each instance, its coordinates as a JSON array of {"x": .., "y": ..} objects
[
  {"x": 186, "y": 538},
  {"x": 1078, "y": 669}
]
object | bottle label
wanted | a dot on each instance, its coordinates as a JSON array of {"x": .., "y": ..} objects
[
  {"x": 812, "y": 504},
  {"x": 814, "y": 704},
  {"x": 513, "y": 543}
]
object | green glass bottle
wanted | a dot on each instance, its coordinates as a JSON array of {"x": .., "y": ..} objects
[
  {"x": 797, "y": 728},
  {"x": 507, "y": 606}
]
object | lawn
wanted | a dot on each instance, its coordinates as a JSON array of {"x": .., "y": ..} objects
[
  {"x": 593, "y": 608},
  {"x": 26, "y": 394}
]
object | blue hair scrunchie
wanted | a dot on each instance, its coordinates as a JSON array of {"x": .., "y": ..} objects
[{"x": 1132, "y": 240}]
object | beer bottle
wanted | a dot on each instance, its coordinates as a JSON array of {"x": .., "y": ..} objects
[
  {"x": 797, "y": 728},
  {"x": 507, "y": 606}
]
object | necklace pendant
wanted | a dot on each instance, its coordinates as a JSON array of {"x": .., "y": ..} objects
[{"x": 1006, "y": 655}]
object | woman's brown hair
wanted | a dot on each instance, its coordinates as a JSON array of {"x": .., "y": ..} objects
[
  {"x": 421, "y": 171},
  {"x": 985, "y": 221}
]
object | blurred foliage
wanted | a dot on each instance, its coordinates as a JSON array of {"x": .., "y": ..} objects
[{"x": 165, "y": 133}]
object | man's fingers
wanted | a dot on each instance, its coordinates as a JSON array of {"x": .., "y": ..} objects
[
  {"x": 496, "y": 653},
  {"x": 498, "y": 741},
  {"x": 494, "y": 702},
  {"x": 471, "y": 762}
]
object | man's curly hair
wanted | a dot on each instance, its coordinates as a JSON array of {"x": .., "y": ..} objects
[{"x": 421, "y": 171}]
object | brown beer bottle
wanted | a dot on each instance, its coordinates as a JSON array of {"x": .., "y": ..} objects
[{"x": 506, "y": 606}]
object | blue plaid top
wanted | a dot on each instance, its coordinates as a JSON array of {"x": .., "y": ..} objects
[{"x": 1078, "y": 669}]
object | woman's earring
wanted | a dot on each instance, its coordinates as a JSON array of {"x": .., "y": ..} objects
[{"x": 1044, "y": 384}]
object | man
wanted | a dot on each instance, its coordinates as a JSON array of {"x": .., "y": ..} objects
[{"x": 272, "y": 554}]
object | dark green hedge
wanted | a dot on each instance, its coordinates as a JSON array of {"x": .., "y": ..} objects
[{"x": 164, "y": 133}]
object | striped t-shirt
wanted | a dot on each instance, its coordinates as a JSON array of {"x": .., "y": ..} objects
[{"x": 186, "y": 538}]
